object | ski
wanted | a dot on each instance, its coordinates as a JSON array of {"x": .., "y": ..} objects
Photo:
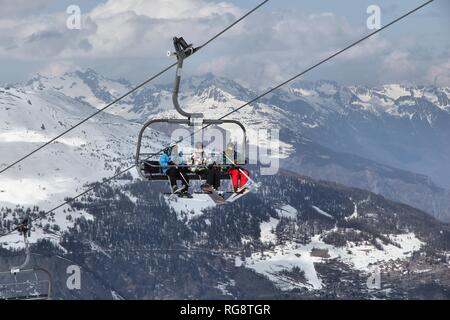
[
  {"x": 218, "y": 199},
  {"x": 185, "y": 195},
  {"x": 172, "y": 197},
  {"x": 237, "y": 195},
  {"x": 176, "y": 193}
]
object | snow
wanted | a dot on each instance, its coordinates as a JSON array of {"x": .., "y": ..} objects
[
  {"x": 132, "y": 198},
  {"x": 223, "y": 287},
  {"x": 116, "y": 296},
  {"x": 311, "y": 126},
  {"x": 395, "y": 91},
  {"x": 76, "y": 85},
  {"x": 407, "y": 103},
  {"x": 84, "y": 155},
  {"x": 364, "y": 255},
  {"x": 358, "y": 256},
  {"x": 268, "y": 231},
  {"x": 303, "y": 92},
  {"x": 15, "y": 241},
  {"x": 285, "y": 257},
  {"x": 318, "y": 210},
  {"x": 190, "y": 208},
  {"x": 97, "y": 248},
  {"x": 423, "y": 271},
  {"x": 287, "y": 211},
  {"x": 76, "y": 159},
  {"x": 62, "y": 169},
  {"x": 354, "y": 215},
  {"x": 327, "y": 88},
  {"x": 364, "y": 97},
  {"x": 36, "y": 137}
]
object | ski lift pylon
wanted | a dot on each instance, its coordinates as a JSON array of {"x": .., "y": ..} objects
[{"x": 20, "y": 283}]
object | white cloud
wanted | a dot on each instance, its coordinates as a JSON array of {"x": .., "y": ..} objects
[
  {"x": 264, "y": 54},
  {"x": 57, "y": 68},
  {"x": 141, "y": 28},
  {"x": 264, "y": 49},
  {"x": 19, "y": 8},
  {"x": 440, "y": 74},
  {"x": 398, "y": 63},
  {"x": 115, "y": 28},
  {"x": 165, "y": 9}
]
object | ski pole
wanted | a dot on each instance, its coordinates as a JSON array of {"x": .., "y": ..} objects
[
  {"x": 240, "y": 170},
  {"x": 181, "y": 174}
]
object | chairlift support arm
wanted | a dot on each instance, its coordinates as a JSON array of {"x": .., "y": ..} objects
[
  {"x": 24, "y": 229},
  {"x": 182, "y": 51}
]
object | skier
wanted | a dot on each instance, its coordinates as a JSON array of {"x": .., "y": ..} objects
[
  {"x": 213, "y": 173},
  {"x": 239, "y": 176},
  {"x": 198, "y": 159},
  {"x": 171, "y": 162}
]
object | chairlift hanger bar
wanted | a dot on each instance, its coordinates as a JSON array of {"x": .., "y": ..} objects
[
  {"x": 24, "y": 229},
  {"x": 182, "y": 51}
]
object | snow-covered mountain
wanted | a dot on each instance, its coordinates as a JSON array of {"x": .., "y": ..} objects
[
  {"x": 212, "y": 94},
  {"x": 96, "y": 150},
  {"x": 85, "y": 86},
  {"x": 404, "y": 127},
  {"x": 307, "y": 114},
  {"x": 296, "y": 237},
  {"x": 391, "y": 139}
]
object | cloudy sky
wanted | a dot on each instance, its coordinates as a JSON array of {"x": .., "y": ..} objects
[{"x": 129, "y": 39}]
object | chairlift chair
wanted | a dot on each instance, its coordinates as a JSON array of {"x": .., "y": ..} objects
[
  {"x": 147, "y": 164},
  {"x": 22, "y": 283}
]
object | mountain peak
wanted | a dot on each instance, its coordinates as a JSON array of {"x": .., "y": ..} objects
[
  {"x": 201, "y": 83},
  {"x": 86, "y": 73}
]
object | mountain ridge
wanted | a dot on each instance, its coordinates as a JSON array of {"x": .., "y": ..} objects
[{"x": 302, "y": 111}]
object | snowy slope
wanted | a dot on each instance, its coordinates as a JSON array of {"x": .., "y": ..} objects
[
  {"x": 205, "y": 94},
  {"x": 86, "y": 86},
  {"x": 359, "y": 256},
  {"x": 284, "y": 260},
  {"x": 353, "y": 119},
  {"x": 328, "y": 96},
  {"x": 46, "y": 106},
  {"x": 88, "y": 154},
  {"x": 215, "y": 96},
  {"x": 277, "y": 234}
]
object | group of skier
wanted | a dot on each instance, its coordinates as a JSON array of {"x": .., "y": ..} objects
[{"x": 211, "y": 165}]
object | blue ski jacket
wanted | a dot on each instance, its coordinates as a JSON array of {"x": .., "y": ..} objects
[{"x": 164, "y": 161}]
